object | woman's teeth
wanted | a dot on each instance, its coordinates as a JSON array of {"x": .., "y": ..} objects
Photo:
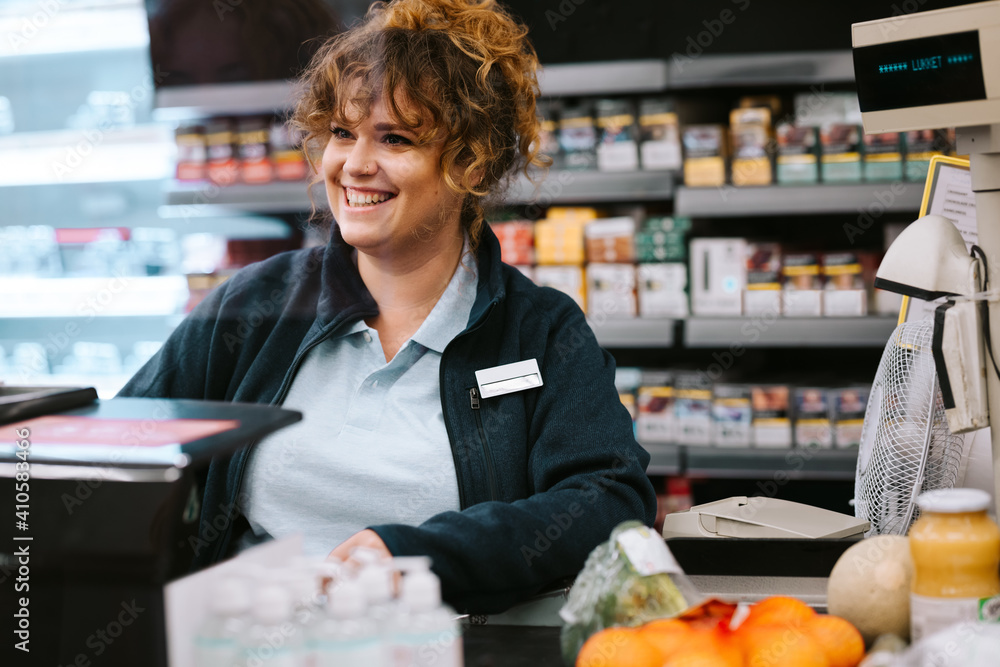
[{"x": 367, "y": 198}]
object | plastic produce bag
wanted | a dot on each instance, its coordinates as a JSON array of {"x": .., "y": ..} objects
[
  {"x": 967, "y": 644},
  {"x": 628, "y": 580}
]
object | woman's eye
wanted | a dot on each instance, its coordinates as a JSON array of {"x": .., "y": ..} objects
[
  {"x": 340, "y": 133},
  {"x": 396, "y": 140}
]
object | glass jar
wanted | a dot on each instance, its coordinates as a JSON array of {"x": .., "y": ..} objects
[{"x": 956, "y": 559}]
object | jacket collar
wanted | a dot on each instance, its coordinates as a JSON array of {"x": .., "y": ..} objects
[{"x": 344, "y": 296}]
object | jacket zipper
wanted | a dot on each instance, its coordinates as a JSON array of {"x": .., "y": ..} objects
[{"x": 487, "y": 454}]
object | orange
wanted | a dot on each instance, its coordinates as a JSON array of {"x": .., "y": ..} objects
[
  {"x": 840, "y": 640},
  {"x": 666, "y": 634},
  {"x": 780, "y": 646},
  {"x": 704, "y": 658},
  {"x": 618, "y": 647},
  {"x": 708, "y": 648},
  {"x": 778, "y": 610}
]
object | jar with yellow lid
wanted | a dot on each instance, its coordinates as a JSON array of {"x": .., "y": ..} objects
[{"x": 956, "y": 561}]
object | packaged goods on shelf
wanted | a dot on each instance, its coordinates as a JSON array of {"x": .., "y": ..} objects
[
  {"x": 816, "y": 108},
  {"x": 559, "y": 241},
  {"x": 517, "y": 241},
  {"x": 628, "y": 400},
  {"x": 772, "y": 423},
  {"x": 659, "y": 134},
  {"x": 951, "y": 140},
  {"x": 763, "y": 293},
  {"x": 883, "y": 158},
  {"x": 548, "y": 133},
  {"x": 611, "y": 290},
  {"x": 655, "y": 420},
  {"x": 802, "y": 293},
  {"x": 192, "y": 154},
  {"x": 223, "y": 165},
  {"x": 693, "y": 408},
  {"x": 841, "y": 153},
  {"x": 286, "y": 152},
  {"x": 610, "y": 240},
  {"x": 580, "y": 214},
  {"x": 29, "y": 251},
  {"x": 849, "y": 406},
  {"x": 750, "y": 133},
  {"x": 568, "y": 279},
  {"x": 731, "y": 416},
  {"x": 921, "y": 146},
  {"x": 705, "y": 155},
  {"x": 578, "y": 137},
  {"x": 95, "y": 252},
  {"x": 662, "y": 290},
  {"x": 813, "y": 427},
  {"x": 617, "y": 148},
  {"x": 718, "y": 276},
  {"x": 844, "y": 294},
  {"x": 254, "y": 151},
  {"x": 662, "y": 239},
  {"x": 627, "y": 381},
  {"x": 798, "y": 148}
]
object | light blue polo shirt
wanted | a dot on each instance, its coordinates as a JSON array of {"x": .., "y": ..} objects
[{"x": 372, "y": 447}]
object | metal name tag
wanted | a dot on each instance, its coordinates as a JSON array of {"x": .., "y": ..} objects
[{"x": 508, "y": 378}]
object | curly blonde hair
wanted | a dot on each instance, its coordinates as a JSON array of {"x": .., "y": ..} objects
[{"x": 465, "y": 64}]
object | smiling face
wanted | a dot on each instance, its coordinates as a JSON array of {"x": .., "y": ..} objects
[{"x": 386, "y": 188}]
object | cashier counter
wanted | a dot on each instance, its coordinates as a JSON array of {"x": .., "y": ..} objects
[{"x": 111, "y": 514}]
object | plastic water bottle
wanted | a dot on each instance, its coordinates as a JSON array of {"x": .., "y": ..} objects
[
  {"x": 376, "y": 580},
  {"x": 272, "y": 640},
  {"x": 425, "y": 632},
  {"x": 346, "y": 637},
  {"x": 217, "y": 643}
]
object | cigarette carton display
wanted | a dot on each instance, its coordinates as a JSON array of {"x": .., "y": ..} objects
[
  {"x": 610, "y": 240},
  {"x": 813, "y": 427},
  {"x": 662, "y": 290},
  {"x": 731, "y": 416},
  {"x": 802, "y": 293},
  {"x": 659, "y": 135},
  {"x": 705, "y": 155},
  {"x": 920, "y": 147},
  {"x": 662, "y": 239},
  {"x": 883, "y": 158},
  {"x": 844, "y": 293},
  {"x": 763, "y": 293},
  {"x": 693, "y": 408},
  {"x": 517, "y": 241},
  {"x": 772, "y": 423},
  {"x": 750, "y": 133},
  {"x": 578, "y": 137},
  {"x": 617, "y": 148},
  {"x": 568, "y": 279},
  {"x": 718, "y": 276},
  {"x": 655, "y": 421},
  {"x": 841, "y": 153},
  {"x": 798, "y": 154},
  {"x": 611, "y": 290},
  {"x": 848, "y": 415}
]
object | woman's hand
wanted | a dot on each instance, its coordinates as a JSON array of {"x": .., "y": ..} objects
[{"x": 366, "y": 538}]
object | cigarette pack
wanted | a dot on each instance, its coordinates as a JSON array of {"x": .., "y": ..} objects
[
  {"x": 610, "y": 240},
  {"x": 548, "y": 134},
  {"x": 223, "y": 165},
  {"x": 693, "y": 408},
  {"x": 655, "y": 422},
  {"x": 286, "y": 152},
  {"x": 559, "y": 241},
  {"x": 844, "y": 294},
  {"x": 705, "y": 154},
  {"x": 883, "y": 157},
  {"x": 841, "y": 153},
  {"x": 772, "y": 423},
  {"x": 750, "y": 132},
  {"x": 254, "y": 150},
  {"x": 659, "y": 135},
  {"x": 617, "y": 148},
  {"x": 611, "y": 290},
  {"x": 921, "y": 146},
  {"x": 192, "y": 155},
  {"x": 763, "y": 293},
  {"x": 813, "y": 427},
  {"x": 802, "y": 293},
  {"x": 568, "y": 279},
  {"x": 798, "y": 154},
  {"x": 849, "y": 406},
  {"x": 731, "y": 416},
  {"x": 517, "y": 241},
  {"x": 578, "y": 137},
  {"x": 662, "y": 290},
  {"x": 718, "y": 276},
  {"x": 662, "y": 239}
]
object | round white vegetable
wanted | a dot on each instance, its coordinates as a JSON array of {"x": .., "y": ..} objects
[{"x": 870, "y": 586}]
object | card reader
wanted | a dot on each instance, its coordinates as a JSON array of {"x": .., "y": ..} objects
[{"x": 761, "y": 517}]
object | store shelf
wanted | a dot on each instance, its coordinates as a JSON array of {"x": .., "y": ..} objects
[
  {"x": 730, "y": 201},
  {"x": 761, "y": 69},
  {"x": 637, "y": 332},
  {"x": 777, "y": 465},
  {"x": 604, "y": 78},
  {"x": 706, "y": 332},
  {"x": 591, "y": 187},
  {"x": 121, "y": 329},
  {"x": 185, "y": 103},
  {"x": 206, "y": 200},
  {"x": 664, "y": 459}
]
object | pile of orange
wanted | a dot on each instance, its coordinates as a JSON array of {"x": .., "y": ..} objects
[{"x": 778, "y": 632}]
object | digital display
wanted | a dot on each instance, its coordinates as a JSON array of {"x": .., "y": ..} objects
[{"x": 920, "y": 72}]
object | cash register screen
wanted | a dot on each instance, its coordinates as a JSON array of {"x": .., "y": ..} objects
[{"x": 920, "y": 72}]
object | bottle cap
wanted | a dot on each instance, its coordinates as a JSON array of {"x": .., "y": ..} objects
[
  {"x": 230, "y": 597},
  {"x": 272, "y": 604},
  {"x": 347, "y": 601},
  {"x": 954, "y": 501},
  {"x": 421, "y": 591}
]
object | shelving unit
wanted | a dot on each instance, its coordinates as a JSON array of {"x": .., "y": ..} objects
[
  {"x": 800, "y": 68},
  {"x": 635, "y": 333},
  {"x": 761, "y": 332},
  {"x": 778, "y": 465},
  {"x": 825, "y": 198}
]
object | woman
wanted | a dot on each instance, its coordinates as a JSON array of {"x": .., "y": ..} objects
[{"x": 421, "y": 112}]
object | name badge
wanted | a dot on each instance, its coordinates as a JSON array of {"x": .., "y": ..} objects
[{"x": 508, "y": 378}]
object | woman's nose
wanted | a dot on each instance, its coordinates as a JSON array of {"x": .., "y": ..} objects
[{"x": 361, "y": 160}]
